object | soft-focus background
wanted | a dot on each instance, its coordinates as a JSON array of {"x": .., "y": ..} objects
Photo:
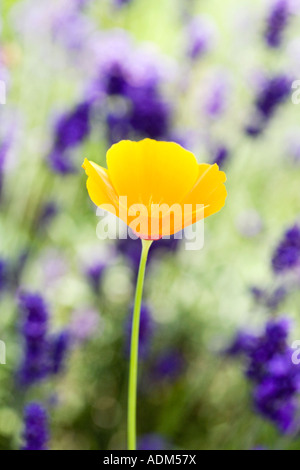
[{"x": 217, "y": 78}]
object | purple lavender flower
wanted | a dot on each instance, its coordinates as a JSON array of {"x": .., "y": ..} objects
[
  {"x": 95, "y": 273},
  {"x": 287, "y": 254},
  {"x": 73, "y": 127},
  {"x": 201, "y": 36},
  {"x": 36, "y": 433},
  {"x": 46, "y": 215},
  {"x": 216, "y": 99},
  {"x": 152, "y": 442},
  {"x": 274, "y": 92},
  {"x": 60, "y": 162},
  {"x": 116, "y": 79},
  {"x": 255, "y": 130},
  {"x": 150, "y": 114},
  {"x": 147, "y": 327},
  {"x": 58, "y": 349},
  {"x": 269, "y": 366},
  {"x": 243, "y": 343},
  {"x": 70, "y": 131},
  {"x": 275, "y": 396},
  {"x": 4, "y": 275},
  {"x": 271, "y": 299},
  {"x": 168, "y": 366},
  {"x": 34, "y": 366},
  {"x": 134, "y": 106},
  {"x": 277, "y": 22},
  {"x": 43, "y": 354},
  {"x": 221, "y": 155},
  {"x": 146, "y": 114}
]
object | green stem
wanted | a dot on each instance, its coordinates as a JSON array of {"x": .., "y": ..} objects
[{"x": 134, "y": 348}]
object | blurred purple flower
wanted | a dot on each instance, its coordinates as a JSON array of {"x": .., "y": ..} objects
[
  {"x": 60, "y": 162},
  {"x": 71, "y": 28},
  {"x": 146, "y": 114},
  {"x": 255, "y": 130},
  {"x": 168, "y": 366},
  {"x": 152, "y": 442},
  {"x": 277, "y": 21},
  {"x": 43, "y": 354},
  {"x": 34, "y": 314},
  {"x": 46, "y": 215},
  {"x": 269, "y": 366},
  {"x": 4, "y": 275},
  {"x": 61, "y": 21},
  {"x": 84, "y": 324},
  {"x": 216, "y": 99},
  {"x": 274, "y": 92},
  {"x": 150, "y": 114},
  {"x": 70, "y": 131},
  {"x": 131, "y": 79},
  {"x": 287, "y": 254},
  {"x": 271, "y": 299},
  {"x": 73, "y": 127},
  {"x": 147, "y": 327},
  {"x": 95, "y": 274},
  {"x": 201, "y": 37},
  {"x": 243, "y": 343},
  {"x": 58, "y": 345},
  {"x": 36, "y": 432},
  {"x": 221, "y": 156},
  {"x": 115, "y": 80}
]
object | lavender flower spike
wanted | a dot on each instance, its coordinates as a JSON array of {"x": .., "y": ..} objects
[
  {"x": 277, "y": 22},
  {"x": 287, "y": 255},
  {"x": 36, "y": 427},
  {"x": 269, "y": 366},
  {"x": 34, "y": 366},
  {"x": 201, "y": 36}
]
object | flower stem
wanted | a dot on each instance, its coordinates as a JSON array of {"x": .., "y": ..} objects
[{"x": 134, "y": 348}]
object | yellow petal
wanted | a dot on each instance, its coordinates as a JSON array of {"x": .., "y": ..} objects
[
  {"x": 98, "y": 185},
  {"x": 209, "y": 190},
  {"x": 151, "y": 172}
]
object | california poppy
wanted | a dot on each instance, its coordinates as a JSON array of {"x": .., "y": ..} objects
[
  {"x": 162, "y": 183},
  {"x": 157, "y": 188}
]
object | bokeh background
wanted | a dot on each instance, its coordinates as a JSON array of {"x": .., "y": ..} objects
[{"x": 217, "y": 324}]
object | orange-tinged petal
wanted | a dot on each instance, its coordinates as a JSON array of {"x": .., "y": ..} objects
[
  {"x": 208, "y": 190},
  {"x": 151, "y": 172},
  {"x": 99, "y": 186}
]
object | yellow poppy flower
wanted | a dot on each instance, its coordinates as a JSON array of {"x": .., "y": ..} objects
[{"x": 156, "y": 188}]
